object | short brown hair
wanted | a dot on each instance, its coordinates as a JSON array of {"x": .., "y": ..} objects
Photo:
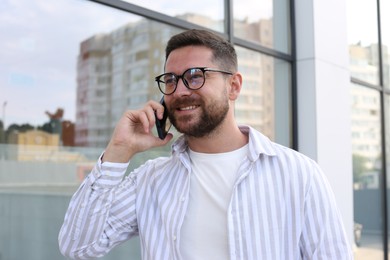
[{"x": 223, "y": 51}]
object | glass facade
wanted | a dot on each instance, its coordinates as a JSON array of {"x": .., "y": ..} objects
[
  {"x": 363, "y": 46},
  {"x": 266, "y": 22},
  {"x": 65, "y": 81},
  {"x": 369, "y": 66},
  {"x": 385, "y": 38},
  {"x": 265, "y": 102},
  {"x": 387, "y": 159},
  {"x": 367, "y": 171},
  {"x": 209, "y": 14}
]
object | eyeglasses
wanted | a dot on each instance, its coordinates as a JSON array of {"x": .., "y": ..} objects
[{"x": 193, "y": 78}]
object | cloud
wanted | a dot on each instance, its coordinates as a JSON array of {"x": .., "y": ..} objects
[{"x": 38, "y": 49}]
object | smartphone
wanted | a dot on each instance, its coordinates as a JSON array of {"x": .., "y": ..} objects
[{"x": 163, "y": 125}]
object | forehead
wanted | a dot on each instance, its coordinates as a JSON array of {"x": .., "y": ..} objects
[{"x": 188, "y": 57}]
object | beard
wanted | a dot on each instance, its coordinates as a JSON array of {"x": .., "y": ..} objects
[{"x": 211, "y": 116}]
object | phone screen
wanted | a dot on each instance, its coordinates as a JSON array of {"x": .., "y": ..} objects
[{"x": 163, "y": 125}]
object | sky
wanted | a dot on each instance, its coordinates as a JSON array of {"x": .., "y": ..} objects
[
  {"x": 362, "y": 18},
  {"x": 38, "y": 49}
]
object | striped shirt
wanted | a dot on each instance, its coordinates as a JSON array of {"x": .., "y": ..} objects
[{"x": 282, "y": 207}]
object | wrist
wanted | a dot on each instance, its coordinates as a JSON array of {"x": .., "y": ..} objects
[{"x": 116, "y": 155}]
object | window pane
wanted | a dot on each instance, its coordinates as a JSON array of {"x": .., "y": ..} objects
[
  {"x": 363, "y": 40},
  {"x": 265, "y": 99},
  {"x": 385, "y": 28},
  {"x": 116, "y": 71},
  {"x": 387, "y": 136},
  {"x": 85, "y": 71},
  {"x": 367, "y": 172},
  {"x": 266, "y": 22},
  {"x": 206, "y": 13}
]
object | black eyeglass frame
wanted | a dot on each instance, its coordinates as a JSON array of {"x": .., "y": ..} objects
[{"x": 177, "y": 77}]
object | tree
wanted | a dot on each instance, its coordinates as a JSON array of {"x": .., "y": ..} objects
[{"x": 359, "y": 167}]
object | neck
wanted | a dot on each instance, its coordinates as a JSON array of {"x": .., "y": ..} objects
[{"x": 223, "y": 139}]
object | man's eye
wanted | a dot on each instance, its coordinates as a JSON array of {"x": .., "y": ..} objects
[
  {"x": 169, "y": 81},
  {"x": 196, "y": 76}
]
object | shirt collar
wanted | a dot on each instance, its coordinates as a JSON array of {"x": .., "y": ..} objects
[{"x": 258, "y": 144}]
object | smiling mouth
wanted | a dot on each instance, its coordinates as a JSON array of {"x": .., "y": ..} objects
[{"x": 187, "y": 108}]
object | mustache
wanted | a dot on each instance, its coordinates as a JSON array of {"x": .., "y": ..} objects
[{"x": 185, "y": 101}]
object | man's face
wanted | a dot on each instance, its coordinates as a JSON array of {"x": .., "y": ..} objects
[{"x": 196, "y": 112}]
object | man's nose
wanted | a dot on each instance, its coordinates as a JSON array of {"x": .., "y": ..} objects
[{"x": 181, "y": 88}]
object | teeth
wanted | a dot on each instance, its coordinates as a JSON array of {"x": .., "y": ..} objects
[{"x": 187, "y": 108}]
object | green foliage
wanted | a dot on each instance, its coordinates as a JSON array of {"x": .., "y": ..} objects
[{"x": 359, "y": 166}]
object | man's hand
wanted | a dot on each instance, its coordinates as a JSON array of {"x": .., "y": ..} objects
[{"x": 133, "y": 134}]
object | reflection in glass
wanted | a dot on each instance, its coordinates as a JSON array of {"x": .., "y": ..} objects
[
  {"x": 387, "y": 145},
  {"x": 209, "y": 14},
  {"x": 363, "y": 40},
  {"x": 38, "y": 59},
  {"x": 265, "y": 22},
  {"x": 116, "y": 71},
  {"x": 266, "y": 82},
  {"x": 367, "y": 172},
  {"x": 63, "y": 87},
  {"x": 385, "y": 33}
]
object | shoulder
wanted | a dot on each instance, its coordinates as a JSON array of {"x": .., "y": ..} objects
[
  {"x": 281, "y": 161},
  {"x": 293, "y": 157},
  {"x": 262, "y": 146}
]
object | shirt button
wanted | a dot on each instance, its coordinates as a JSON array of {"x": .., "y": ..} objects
[
  {"x": 183, "y": 199},
  {"x": 174, "y": 238}
]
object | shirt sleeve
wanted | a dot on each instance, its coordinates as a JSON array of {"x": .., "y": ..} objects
[
  {"x": 323, "y": 234},
  {"x": 101, "y": 213}
]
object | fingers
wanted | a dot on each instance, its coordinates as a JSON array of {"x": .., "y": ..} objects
[
  {"x": 143, "y": 120},
  {"x": 165, "y": 141},
  {"x": 132, "y": 133},
  {"x": 147, "y": 115},
  {"x": 146, "y": 120}
]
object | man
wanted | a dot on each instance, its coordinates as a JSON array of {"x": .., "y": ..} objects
[{"x": 226, "y": 192}]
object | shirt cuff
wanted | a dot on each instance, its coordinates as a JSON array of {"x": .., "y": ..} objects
[{"x": 109, "y": 174}]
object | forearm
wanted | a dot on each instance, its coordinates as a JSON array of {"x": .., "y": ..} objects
[{"x": 91, "y": 227}]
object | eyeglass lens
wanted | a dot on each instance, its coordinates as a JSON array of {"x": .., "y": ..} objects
[{"x": 193, "y": 78}]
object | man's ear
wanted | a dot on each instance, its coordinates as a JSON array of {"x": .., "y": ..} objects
[{"x": 235, "y": 85}]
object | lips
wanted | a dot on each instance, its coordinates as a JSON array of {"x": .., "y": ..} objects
[
  {"x": 185, "y": 104},
  {"x": 187, "y": 108}
]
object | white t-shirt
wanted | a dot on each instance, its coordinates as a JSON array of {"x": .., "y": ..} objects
[{"x": 204, "y": 232}]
